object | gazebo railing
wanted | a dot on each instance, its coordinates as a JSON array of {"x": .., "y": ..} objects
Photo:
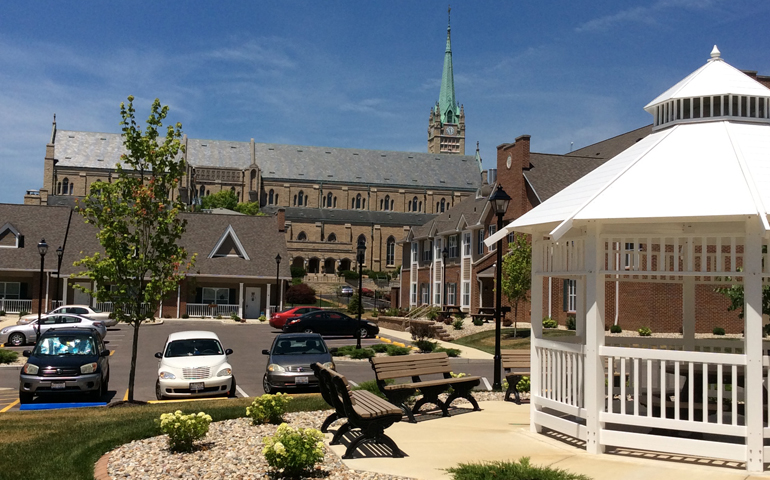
[
  {"x": 692, "y": 392},
  {"x": 713, "y": 345},
  {"x": 560, "y": 386}
]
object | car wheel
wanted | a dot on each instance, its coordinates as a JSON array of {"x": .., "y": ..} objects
[
  {"x": 269, "y": 389},
  {"x": 308, "y": 330},
  {"x": 231, "y": 393},
  {"x": 158, "y": 395},
  {"x": 25, "y": 397},
  {"x": 363, "y": 333},
  {"x": 16, "y": 339}
]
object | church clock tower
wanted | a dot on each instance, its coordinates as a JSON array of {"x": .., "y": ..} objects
[{"x": 446, "y": 127}]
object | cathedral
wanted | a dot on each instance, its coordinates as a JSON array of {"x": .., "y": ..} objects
[{"x": 326, "y": 199}]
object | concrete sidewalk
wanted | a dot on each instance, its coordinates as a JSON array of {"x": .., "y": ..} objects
[
  {"x": 465, "y": 352},
  {"x": 501, "y": 432}
]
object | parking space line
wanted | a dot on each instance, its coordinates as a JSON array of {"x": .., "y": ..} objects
[
  {"x": 351, "y": 382},
  {"x": 240, "y": 390},
  {"x": 188, "y": 399},
  {"x": 125, "y": 397},
  {"x": 111, "y": 352},
  {"x": 486, "y": 382},
  {"x": 10, "y": 406}
]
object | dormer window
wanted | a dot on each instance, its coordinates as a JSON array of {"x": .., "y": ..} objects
[
  {"x": 10, "y": 237},
  {"x": 229, "y": 246}
]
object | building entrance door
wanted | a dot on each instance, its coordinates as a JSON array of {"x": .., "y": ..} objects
[
  {"x": 253, "y": 302},
  {"x": 80, "y": 297}
]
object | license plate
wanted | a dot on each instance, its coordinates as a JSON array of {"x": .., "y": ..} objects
[
  {"x": 196, "y": 386},
  {"x": 299, "y": 380},
  {"x": 58, "y": 384}
]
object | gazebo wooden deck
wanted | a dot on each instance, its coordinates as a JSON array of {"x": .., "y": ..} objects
[{"x": 685, "y": 205}]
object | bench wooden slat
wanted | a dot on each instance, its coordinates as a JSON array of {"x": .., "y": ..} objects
[
  {"x": 433, "y": 383},
  {"x": 402, "y": 358},
  {"x": 410, "y": 373}
]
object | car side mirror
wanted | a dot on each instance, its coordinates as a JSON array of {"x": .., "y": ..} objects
[
  {"x": 229, "y": 351},
  {"x": 105, "y": 353},
  {"x": 26, "y": 353},
  {"x": 158, "y": 355},
  {"x": 265, "y": 352}
]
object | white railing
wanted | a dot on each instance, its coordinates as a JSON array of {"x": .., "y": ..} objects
[
  {"x": 713, "y": 345},
  {"x": 693, "y": 392},
  {"x": 108, "y": 307},
  {"x": 563, "y": 256},
  {"x": 204, "y": 310},
  {"x": 15, "y": 306},
  {"x": 56, "y": 303}
]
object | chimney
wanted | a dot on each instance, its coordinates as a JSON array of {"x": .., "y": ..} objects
[
  {"x": 280, "y": 218},
  {"x": 523, "y": 142}
]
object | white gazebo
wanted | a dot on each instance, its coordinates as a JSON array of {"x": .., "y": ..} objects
[{"x": 686, "y": 205}]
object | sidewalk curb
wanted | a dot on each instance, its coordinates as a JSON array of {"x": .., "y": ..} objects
[{"x": 100, "y": 468}]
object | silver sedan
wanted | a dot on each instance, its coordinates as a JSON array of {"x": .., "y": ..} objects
[
  {"x": 81, "y": 310},
  {"x": 22, "y": 334}
]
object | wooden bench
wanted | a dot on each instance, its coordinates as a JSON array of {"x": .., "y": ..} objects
[
  {"x": 486, "y": 317},
  {"x": 363, "y": 410},
  {"x": 516, "y": 364},
  {"x": 414, "y": 366}
]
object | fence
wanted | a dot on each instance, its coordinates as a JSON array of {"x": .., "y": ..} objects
[
  {"x": 15, "y": 306},
  {"x": 205, "y": 310}
]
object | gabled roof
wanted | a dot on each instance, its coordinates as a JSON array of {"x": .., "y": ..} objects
[
  {"x": 469, "y": 212},
  {"x": 353, "y": 217},
  {"x": 9, "y": 228},
  {"x": 228, "y": 245}
]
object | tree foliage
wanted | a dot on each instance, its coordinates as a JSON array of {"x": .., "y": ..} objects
[
  {"x": 517, "y": 273},
  {"x": 735, "y": 294},
  {"x": 229, "y": 200},
  {"x": 138, "y": 223},
  {"x": 301, "y": 294}
]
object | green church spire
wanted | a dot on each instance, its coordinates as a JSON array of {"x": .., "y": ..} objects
[{"x": 447, "y": 103}]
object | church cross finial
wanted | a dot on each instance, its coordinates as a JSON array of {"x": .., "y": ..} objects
[{"x": 449, "y": 15}]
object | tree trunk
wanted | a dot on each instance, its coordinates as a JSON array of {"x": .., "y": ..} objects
[
  {"x": 515, "y": 314},
  {"x": 132, "y": 373}
]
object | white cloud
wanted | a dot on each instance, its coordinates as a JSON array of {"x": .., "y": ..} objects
[{"x": 647, "y": 15}]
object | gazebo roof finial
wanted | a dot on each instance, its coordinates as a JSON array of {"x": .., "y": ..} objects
[{"x": 715, "y": 54}]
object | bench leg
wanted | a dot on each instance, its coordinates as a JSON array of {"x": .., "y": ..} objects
[
  {"x": 329, "y": 420},
  {"x": 430, "y": 399},
  {"x": 463, "y": 394},
  {"x": 400, "y": 398},
  {"x": 373, "y": 435},
  {"x": 513, "y": 380},
  {"x": 344, "y": 428}
]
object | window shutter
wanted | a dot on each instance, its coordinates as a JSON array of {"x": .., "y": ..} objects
[
  {"x": 198, "y": 295},
  {"x": 23, "y": 291},
  {"x": 565, "y": 295},
  {"x": 233, "y": 297}
]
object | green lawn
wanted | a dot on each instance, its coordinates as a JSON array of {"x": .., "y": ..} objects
[
  {"x": 67, "y": 443},
  {"x": 485, "y": 341}
]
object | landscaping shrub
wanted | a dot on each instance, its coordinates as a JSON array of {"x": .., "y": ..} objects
[
  {"x": 380, "y": 348},
  {"x": 458, "y": 324},
  {"x": 296, "y": 281},
  {"x": 22, "y": 313},
  {"x": 235, "y": 317},
  {"x": 262, "y": 318},
  {"x": 478, "y": 322},
  {"x": 219, "y": 317},
  {"x": 375, "y": 313},
  {"x": 432, "y": 313},
  {"x": 571, "y": 323},
  {"x": 645, "y": 332},
  {"x": 393, "y": 312},
  {"x": 167, "y": 315},
  {"x": 361, "y": 353},
  {"x": 425, "y": 345},
  {"x": 548, "y": 322},
  {"x": 451, "y": 352},
  {"x": 268, "y": 408},
  {"x": 349, "y": 274},
  {"x": 8, "y": 356},
  {"x": 766, "y": 330},
  {"x": 615, "y": 329},
  {"x": 297, "y": 272},
  {"x": 185, "y": 316},
  {"x": 371, "y": 386},
  {"x": 718, "y": 331},
  {"x": 507, "y": 322},
  {"x": 445, "y": 319},
  {"x": 183, "y": 430},
  {"x": 2, "y": 313},
  {"x": 301, "y": 294},
  {"x": 294, "y": 450},
  {"x": 355, "y": 301},
  {"x": 521, "y": 470},
  {"x": 395, "y": 350},
  {"x": 420, "y": 330},
  {"x": 523, "y": 385}
]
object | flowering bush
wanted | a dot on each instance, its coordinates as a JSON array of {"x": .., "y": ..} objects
[
  {"x": 183, "y": 430},
  {"x": 268, "y": 408},
  {"x": 293, "y": 450}
]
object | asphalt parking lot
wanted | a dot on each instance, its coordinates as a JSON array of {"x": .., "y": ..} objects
[{"x": 246, "y": 340}]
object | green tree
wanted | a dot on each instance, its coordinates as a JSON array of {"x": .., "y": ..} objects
[
  {"x": 735, "y": 294},
  {"x": 223, "y": 199},
  {"x": 517, "y": 273},
  {"x": 249, "y": 208},
  {"x": 138, "y": 223}
]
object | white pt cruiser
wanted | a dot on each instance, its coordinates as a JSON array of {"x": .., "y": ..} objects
[{"x": 194, "y": 364}]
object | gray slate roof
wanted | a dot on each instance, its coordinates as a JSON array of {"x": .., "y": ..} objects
[
  {"x": 353, "y": 217},
  {"x": 470, "y": 209},
  {"x": 291, "y": 162}
]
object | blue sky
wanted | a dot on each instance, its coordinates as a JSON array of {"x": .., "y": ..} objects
[{"x": 354, "y": 74}]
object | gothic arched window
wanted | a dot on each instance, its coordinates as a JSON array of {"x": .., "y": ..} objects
[
  {"x": 65, "y": 186},
  {"x": 329, "y": 200},
  {"x": 270, "y": 197},
  {"x": 390, "y": 252},
  {"x": 358, "y": 201},
  {"x": 58, "y": 188},
  {"x": 443, "y": 204},
  {"x": 335, "y": 202},
  {"x": 302, "y": 237},
  {"x": 387, "y": 202},
  {"x": 203, "y": 191},
  {"x": 392, "y": 204},
  {"x": 414, "y": 204},
  {"x": 301, "y": 199},
  {"x": 332, "y": 237}
]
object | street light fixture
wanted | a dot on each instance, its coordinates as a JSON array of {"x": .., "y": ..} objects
[
  {"x": 360, "y": 258},
  {"x": 59, "y": 254},
  {"x": 42, "y": 248},
  {"x": 277, "y": 282},
  {"x": 499, "y": 200},
  {"x": 444, "y": 254}
]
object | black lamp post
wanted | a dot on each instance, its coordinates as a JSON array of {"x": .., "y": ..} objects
[
  {"x": 444, "y": 254},
  {"x": 59, "y": 253},
  {"x": 42, "y": 248},
  {"x": 277, "y": 282},
  {"x": 360, "y": 257},
  {"x": 499, "y": 200}
]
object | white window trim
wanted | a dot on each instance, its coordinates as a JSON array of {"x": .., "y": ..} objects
[
  {"x": 231, "y": 233},
  {"x": 16, "y": 234}
]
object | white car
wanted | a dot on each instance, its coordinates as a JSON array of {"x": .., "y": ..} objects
[
  {"x": 82, "y": 310},
  {"x": 194, "y": 364}
]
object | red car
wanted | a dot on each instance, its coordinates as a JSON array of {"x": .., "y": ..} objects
[{"x": 278, "y": 320}]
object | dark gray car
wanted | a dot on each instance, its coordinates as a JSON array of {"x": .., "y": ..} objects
[{"x": 289, "y": 360}]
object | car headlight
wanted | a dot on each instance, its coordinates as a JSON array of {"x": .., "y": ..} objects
[
  {"x": 4, "y": 331},
  {"x": 166, "y": 376},
  {"x": 225, "y": 372},
  {"x": 31, "y": 369},
  {"x": 88, "y": 368},
  {"x": 329, "y": 365},
  {"x": 275, "y": 368}
]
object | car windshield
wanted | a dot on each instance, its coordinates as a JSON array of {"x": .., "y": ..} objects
[
  {"x": 65, "y": 345},
  {"x": 196, "y": 346},
  {"x": 299, "y": 346}
]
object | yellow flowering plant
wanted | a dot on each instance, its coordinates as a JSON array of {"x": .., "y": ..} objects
[
  {"x": 268, "y": 408},
  {"x": 183, "y": 430},
  {"x": 293, "y": 450}
]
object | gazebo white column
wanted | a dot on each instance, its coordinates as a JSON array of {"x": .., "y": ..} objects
[
  {"x": 536, "y": 312},
  {"x": 594, "y": 371},
  {"x": 752, "y": 315}
]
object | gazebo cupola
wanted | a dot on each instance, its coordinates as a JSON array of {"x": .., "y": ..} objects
[
  {"x": 716, "y": 91},
  {"x": 667, "y": 221}
]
